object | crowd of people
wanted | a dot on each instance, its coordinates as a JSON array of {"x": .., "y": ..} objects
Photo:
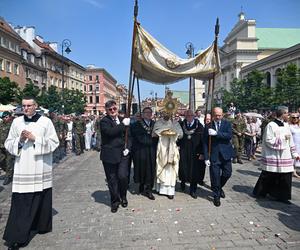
[{"x": 161, "y": 148}]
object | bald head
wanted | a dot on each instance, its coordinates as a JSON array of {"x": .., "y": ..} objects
[
  {"x": 189, "y": 115},
  {"x": 217, "y": 114}
]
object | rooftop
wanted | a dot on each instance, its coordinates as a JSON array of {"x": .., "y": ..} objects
[{"x": 277, "y": 38}]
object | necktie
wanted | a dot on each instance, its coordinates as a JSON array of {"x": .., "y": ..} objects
[{"x": 218, "y": 126}]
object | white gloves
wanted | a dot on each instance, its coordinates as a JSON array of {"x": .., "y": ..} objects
[
  {"x": 126, "y": 151},
  {"x": 212, "y": 132},
  {"x": 207, "y": 163},
  {"x": 126, "y": 121}
]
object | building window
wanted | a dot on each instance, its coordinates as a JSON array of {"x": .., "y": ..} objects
[
  {"x": 90, "y": 78},
  {"x": 203, "y": 95},
  {"x": 91, "y": 99},
  {"x": 84, "y": 88},
  {"x": 97, "y": 78},
  {"x": 90, "y": 87},
  {"x": 97, "y": 87},
  {"x": 1, "y": 64},
  {"x": 97, "y": 99},
  {"x": 16, "y": 69},
  {"x": 8, "y": 66}
]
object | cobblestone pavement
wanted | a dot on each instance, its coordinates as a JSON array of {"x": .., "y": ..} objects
[{"x": 82, "y": 217}]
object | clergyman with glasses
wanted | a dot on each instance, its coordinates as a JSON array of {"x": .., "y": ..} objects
[{"x": 32, "y": 139}]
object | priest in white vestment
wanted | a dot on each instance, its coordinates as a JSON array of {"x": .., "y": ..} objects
[
  {"x": 167, "y": 156},
  {"x": 32, "y": 139}
]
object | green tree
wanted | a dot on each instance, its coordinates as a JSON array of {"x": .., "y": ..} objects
[
  {"x": 8, "y": 90},
  {"x": 249, "y": 93},
  {"x": 287, "y": 90},
  {"x": 29, "y": 90},
  {"x": 51, "y": 99},
  {"x": 74, "y": 101}
]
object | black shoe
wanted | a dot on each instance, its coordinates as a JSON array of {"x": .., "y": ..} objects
[
  {"x": 193, "y": 195},
  {"x": 7, "y": 180},
  {"x": 201, "y": 183},
  {"x": 141, "y": 188},
  {"x": 124, "y": 202},
  {"x": 287, "y": 202},
  {"x": 171, "y": 197},
  {"x": 217, "y": 202},
  {"x": 149, "y": 195},
  {"x": 240, "y": 161},
  {"x": 182, "y": 186},
  {"x": 114, "y": 207},
  {"x": 234, "y": 160},
  {"x": 222, "y": 194},
  {"x": 14, "y": 246}
]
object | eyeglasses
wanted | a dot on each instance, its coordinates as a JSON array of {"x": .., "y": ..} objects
[
  {"x": 294, "y": 117},
  {"x": 112, "y": 109},
  {"x": 27, "y": 106}
]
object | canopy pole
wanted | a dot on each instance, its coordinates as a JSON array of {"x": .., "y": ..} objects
[
  {"x": 139, "y": 95},
  {"x": 217, "y": 29},
  {"x": 130, "y": 85}
]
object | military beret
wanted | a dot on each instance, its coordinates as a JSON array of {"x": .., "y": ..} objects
[{"x": 6, "y": 113}]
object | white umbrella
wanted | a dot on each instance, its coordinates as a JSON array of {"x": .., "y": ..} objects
[
  {"x": 253, "y": 114},
  {"x": 7, "y": 107}
]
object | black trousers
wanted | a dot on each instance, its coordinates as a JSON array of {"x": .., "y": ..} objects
[
  {"x": 220, "y": 171},
  {"x": 117, "y": 179},
  {"x": 29, "y": 212}
]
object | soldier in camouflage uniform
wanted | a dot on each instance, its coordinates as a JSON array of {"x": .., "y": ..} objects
[
  {"x": 79, "y": 130},
  {"x": 6, "y": 159},
  {"x": 238, "y": 129},
  {"x": 62, "y": 134}
]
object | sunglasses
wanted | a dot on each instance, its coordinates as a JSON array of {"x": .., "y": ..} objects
[
  {"x": 294, "y": 117},
  {"x": 112, "y": 109}
]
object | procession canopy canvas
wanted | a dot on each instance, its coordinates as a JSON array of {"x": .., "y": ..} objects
[{"x": 155, "y": 63}]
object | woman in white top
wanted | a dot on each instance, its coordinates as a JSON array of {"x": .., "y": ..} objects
[{"x": 295, "y": 130}]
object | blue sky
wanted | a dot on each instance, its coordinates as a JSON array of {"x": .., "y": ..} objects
[{"x": 101, "y": 30}]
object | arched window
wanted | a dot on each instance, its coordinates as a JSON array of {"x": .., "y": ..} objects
[{"x": 268, "y": 78}]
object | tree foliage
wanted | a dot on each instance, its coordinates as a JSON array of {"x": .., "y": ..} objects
[
  {"x": 252, "y": 92},
  {"x": 8, "y": 90}
]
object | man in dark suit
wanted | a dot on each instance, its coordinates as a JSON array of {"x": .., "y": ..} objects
[
  {"x": 115, "y": 154},
  {"x": 218, "y": 152}
]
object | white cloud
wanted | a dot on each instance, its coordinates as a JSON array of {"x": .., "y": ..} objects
[{"x": 95, "y": 3}]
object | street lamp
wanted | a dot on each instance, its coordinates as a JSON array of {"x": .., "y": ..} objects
[
  {"x": 96, "y": 89},
  {"x": 65, "y": 47},
  {"x": 190, "y": 52}
]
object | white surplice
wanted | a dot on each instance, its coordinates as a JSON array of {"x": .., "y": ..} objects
[{"x": 33, "y": 162}]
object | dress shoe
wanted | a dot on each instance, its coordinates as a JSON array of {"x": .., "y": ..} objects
[
  {"x": 115, "y": 207},
  {"x": 287, "y": 202},
  {"x": 217, "y": 202},
  {"x": 7, "y": 180},
  {"x": 201, "y": 183},
  {"x": 149, "y": 195},
  {"x": 171, "y": 197},
  {"x": 14, "y": 246},
  {"x": 193, "y": 195},
  {"x": 222, "y": 194},
  {"x": 240, "y": 161},
  {"x": 124, "y": 202},
  {"x": 141, "y": 188},
  {"x": 182, "y": 186},
  {"x": 234, "y": 160}
]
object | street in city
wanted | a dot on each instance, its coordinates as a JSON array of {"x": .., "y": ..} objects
[{"x": 82, "y": 217}]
